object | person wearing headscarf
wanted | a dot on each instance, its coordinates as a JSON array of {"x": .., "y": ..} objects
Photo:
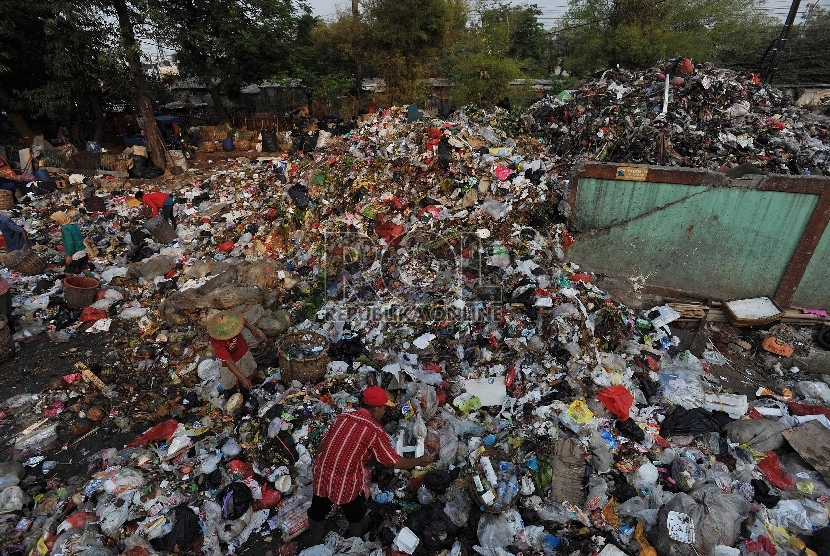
[{"x": 77, "y": 259}]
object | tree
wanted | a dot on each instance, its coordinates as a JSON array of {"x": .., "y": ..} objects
[
  {"x": 128, "y": 17},
  {"x": 480, "y": 66},
  {"x": 81, "y": 64},
  {"x": 229, "y": 44},
  {"x": 637, "y": 33},
  {"x": 21, "y": 59},
  {"x": 406, "y": 38},
  {"x": 806, "y": 58}
]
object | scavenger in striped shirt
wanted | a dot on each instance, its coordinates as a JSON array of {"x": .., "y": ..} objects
[{"x": 353, "y": 439}]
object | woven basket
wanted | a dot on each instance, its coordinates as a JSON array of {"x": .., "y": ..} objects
[
  {"x": 208, "y": 147},
  {"x": 6, "y": 199},
  {"x": 242, "y": 145},
  {"x": 303, "y": 369},
  {"x": 30, "y": 263}
]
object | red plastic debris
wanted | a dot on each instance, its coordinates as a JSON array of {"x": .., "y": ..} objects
[
  {"x": 91, "y": 314},
  {"x": 226, "y": 247},
  {"x": 162, "y": 431}
]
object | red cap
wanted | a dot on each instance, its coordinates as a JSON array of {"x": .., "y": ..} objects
[{"x": 375, "y": 396}]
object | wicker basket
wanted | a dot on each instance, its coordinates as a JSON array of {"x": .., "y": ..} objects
[
  {"x": 6, "y": 199},
  {"x": 30, "y": 263},
  {"x": 242, "y": 145},
  {"x": 303, "y": 369},
  {"x": 208, "y": 147}
]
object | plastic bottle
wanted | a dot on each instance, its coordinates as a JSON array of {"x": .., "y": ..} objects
[
  {"x": 487, "y": 467},
  {"x": 425, "y": 497}
]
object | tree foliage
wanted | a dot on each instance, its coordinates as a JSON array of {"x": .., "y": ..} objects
[
  {"x": 806, "y": 57},
  {"x": 637, "y": 33},
  {"x": 228, "y": 44}
]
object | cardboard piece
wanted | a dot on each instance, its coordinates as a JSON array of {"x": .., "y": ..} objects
[{"x": 812, "y": 442}]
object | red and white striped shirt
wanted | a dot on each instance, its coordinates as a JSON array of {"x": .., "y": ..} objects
[{"x": 348, "y": 445}]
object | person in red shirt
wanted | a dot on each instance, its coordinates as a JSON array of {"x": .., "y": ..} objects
[
  {"x": 225, "y": 330},
  {"x": 159, "y": 202},
  {"x": 340, "y": 467}
]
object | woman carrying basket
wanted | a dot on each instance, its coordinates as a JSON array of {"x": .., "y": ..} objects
[{"x": 225, "y": 330}]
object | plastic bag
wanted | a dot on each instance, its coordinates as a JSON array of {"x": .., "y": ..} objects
[
  {"x": 39, "y": 441},
  {"x": 618, "y": 400},
  {"x": 775, "y": 474},
  {"x": 790, "y": 515},
  {"x": 448, "y": 450},
  {"x": 76, "y": 520},
  {"x": 270, "y": 499},
  {"x": 645, "y": 476},
  {"x": 123, "y": 479},
  {"x": 462, "y": 427},
  {"x": 458, "y": 505},
  {"x": 162, "y": 431},
  {"x": 112, "y": 512},
  {"x": 231, "y": 448},
  {"x": 499, "y": 530},
  {"x": 683, "y": 387},
  {"x": 235, "y": 499},
  {"x": 12, "y": 499},
  {"x": 813, "y": 390},
  {"x": 429, "y": 400}
]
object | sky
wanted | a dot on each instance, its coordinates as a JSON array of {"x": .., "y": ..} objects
[{"x": 552, "y": 10}]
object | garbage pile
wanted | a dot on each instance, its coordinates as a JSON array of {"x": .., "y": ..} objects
[
  {"x": 428, "y": 258},
  {"x": 715, "y": 118}
]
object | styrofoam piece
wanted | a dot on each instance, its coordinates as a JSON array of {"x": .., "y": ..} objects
[
  {"x": 769, "y": 411},
  {"x": 733, "y": 405},
  {"x": 611, "y": 550},
  {"x": 406, "y": 541},
  {"x": 666, "y": 316},
  {"x": 681, "y": 527},
  {"x": 491, "y": 391},
  {"x": 755, "y": 308}
]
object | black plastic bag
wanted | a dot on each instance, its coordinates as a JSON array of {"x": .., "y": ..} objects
[
  {"x": 269, "y": 141},
  {"x": 684, "y": 421},
  {"x": 185, "y": 530},
  {"x": 235, "y": 500},
  {"x": 152, "y": 171},
  {"x": 299, "y": 194},
  {"x": 438, "y": 480},
  {"x": 140, "y": 164}
]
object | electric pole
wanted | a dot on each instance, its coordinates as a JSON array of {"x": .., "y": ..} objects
[{"x": 768, "y": 71}]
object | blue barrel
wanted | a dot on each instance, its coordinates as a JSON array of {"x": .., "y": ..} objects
[
  {"x": 42, "y": 175},
  {"x": 227, "y": 144}
]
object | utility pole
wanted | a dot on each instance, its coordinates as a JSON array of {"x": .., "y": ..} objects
[{"x": 768, "y": 72}]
